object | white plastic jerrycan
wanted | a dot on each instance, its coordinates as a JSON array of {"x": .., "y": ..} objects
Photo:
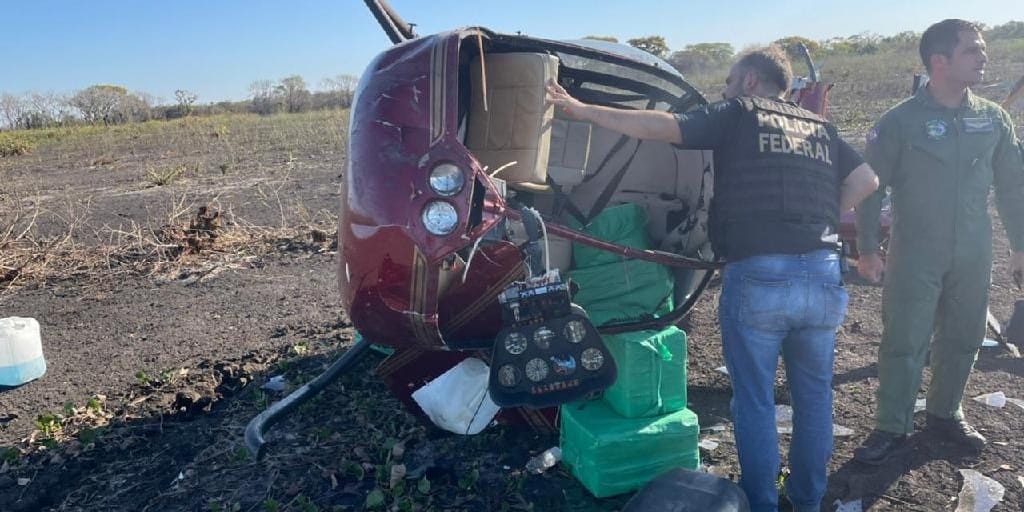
[{"x": 21, "y": 351}]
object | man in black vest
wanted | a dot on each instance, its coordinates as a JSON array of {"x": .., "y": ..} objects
[{"x": 782, "y": 176}]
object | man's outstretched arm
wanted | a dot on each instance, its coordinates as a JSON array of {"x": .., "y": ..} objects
[{"x": 640, "y": 124}]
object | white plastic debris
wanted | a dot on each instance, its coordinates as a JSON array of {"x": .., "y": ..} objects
[
  {"x": 1016, "y": 401},
  {"x": 717, "y": 427},
  {"x": 457, "y": 400},
  {"x": 722, "y": 369},
  {"x": 784, "y": 423},
  {"x": 714, "y": 470},
  {"x": 841, "y": 431},
  {"x": 398, "y": 472},
  {"x": 784, "y": 419},
  {"x": 979, "y": 493},
  {"x": 850, "y": 506},
  {"x": 276, "y": 383},
  {"x": 920, "y": 404},
  {"x": 544, "y": 461},
  {"x": 997, "y": 399},
  {"x": 989, "y": 342},
  {"x": 708, "y": 444},
  {"x": 21, "y": 351}
]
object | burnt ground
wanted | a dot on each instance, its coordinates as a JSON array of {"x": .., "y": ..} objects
[{"x": 156, "y": 357}]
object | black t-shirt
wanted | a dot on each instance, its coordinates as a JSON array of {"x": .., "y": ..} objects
[
  {"x": 719, "y": 127},
  {"x": 711, "y": 127}
]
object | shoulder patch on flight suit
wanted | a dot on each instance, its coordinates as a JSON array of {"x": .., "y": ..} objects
[
  {"x": 936, "y": 129},
  {"x": 978, "y": 125}
]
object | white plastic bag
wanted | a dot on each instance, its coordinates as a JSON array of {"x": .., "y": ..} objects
[{"x": 457, "y": 400}]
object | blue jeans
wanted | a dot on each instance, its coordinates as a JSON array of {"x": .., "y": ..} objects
[{"x": 790, "y": 304}]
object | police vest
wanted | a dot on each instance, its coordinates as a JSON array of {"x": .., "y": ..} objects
[{"x": 776, "y": 186}]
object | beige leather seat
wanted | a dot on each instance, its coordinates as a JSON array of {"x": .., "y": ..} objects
[
  {"x": 516, "y": 124},
  {"x": 570, "y": 147}
]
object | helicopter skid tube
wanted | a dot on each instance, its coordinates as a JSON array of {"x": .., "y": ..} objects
[{"x": 263, "y": 421}]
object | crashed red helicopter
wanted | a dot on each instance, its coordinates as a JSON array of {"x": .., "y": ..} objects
[{"x": 466, "y": 193}]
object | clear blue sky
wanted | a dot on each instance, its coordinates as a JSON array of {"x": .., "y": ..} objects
[{"x": 217, "y": 48}]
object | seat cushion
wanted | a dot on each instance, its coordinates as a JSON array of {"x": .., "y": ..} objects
[{"x": 515, "y": 123}]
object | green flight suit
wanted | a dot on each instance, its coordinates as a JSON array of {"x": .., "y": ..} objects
[{"x": 940, "y": 164}]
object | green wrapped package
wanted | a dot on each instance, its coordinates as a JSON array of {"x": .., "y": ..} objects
[
  {"x": 652, "y": 372},
  {"x": 624, "y": 290},
  {"x": 625, "y": 224},
  {"x": 612, "y": 455},
  {"x": 612, "y": 288}
]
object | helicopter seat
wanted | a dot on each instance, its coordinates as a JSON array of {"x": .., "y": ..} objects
[
  {"x": 570, "y": 147},
  {"x": 510, "y": 119}
]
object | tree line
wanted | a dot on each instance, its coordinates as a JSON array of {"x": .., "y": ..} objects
[
  {"x": 107, "y": 104},
  {"x": 706, "y": 56}
]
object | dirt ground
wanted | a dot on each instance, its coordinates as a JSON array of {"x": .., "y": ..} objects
[{"x": 155, "y": 369}]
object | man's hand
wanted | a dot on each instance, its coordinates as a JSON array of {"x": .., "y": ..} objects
[
  {"x": 558, "y": 96},
  {"x": 639, "y": 124},
  {"x": 870, "y": 267},
  {"x": 1017, "y": 268}
]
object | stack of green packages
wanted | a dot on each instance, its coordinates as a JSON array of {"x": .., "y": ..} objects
[{"x": 641, "y": 427}]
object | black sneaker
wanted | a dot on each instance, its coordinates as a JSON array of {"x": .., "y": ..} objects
[
  {"x": 957, "y": 431},
  {"x": 878, "y": 447}
]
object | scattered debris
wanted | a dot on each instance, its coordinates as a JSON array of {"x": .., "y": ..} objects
[
  {"x": 920, "y": 405},
  {"x": 717, "y": 427},
  {"x": 544, "y": 461},
  {"x": 997, "y": 399},
  {"x": 708, "y": 444},
  {"x": 276, "y": 384},
  {"x": 841, "y": 431},
  {"x": 397, "y": 475},
  {"x": 849, "y": 506},
  {"x": 397, "y": 451},
  {"x": 1016, "y": 401},
  {"x": 784, "y": 423},
  {"x": 715, "y": 470},
  {"x": 979, "y": 493}
]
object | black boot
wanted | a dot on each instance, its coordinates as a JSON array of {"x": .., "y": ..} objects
[
  {"x": 878, "y": 447},
  {"x": 957, "y": 431}
]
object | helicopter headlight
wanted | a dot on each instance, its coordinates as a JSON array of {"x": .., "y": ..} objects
[
  {"x": 440, "y": 218},
  {"x": 447, "y": 179}
]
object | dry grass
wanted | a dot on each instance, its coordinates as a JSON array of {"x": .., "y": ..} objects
[
  {"x": 186, "y": 242},
  {"x": 48, "y": 233}
]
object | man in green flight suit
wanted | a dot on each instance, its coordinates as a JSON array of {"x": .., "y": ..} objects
[{"x": 940, "y": 152}]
